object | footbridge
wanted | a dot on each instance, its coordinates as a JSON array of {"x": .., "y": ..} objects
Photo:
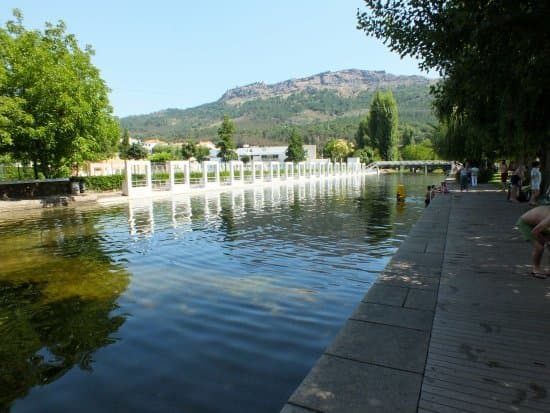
[{"x": 428, "y": 165}]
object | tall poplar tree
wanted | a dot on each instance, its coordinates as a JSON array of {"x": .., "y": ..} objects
[
  {"x": 54, "y": 107},
  {"x": 383, "y": 125}
]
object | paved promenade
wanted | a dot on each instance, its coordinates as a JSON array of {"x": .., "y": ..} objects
[{"x": 455, "y": 322}]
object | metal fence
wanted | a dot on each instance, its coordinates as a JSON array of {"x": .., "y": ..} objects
[{"x": 15, "y": 172}]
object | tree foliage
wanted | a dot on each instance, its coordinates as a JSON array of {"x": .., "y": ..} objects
[
  {"x": 421, "y": 151},
  {"x": 226, "y": 144},
  {"x": 382, "y": 125},
  {"x": 337, "y": 150},
  {"x": 187, "y": 150},
  {"x": 295, "y": 151},
  {"x": 367, "y": 155},
  {"x": 54, "y": 108},
  {"x": 124, "y": 145},
  {"x": 137, "y": 151},
  {"x": 494, "y": 56}
]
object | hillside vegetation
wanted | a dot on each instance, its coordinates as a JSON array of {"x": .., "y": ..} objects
[{"x": 321, "y": 107}]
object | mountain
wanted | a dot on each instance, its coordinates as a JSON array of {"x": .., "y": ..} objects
[{"x": 323, "y": 106}]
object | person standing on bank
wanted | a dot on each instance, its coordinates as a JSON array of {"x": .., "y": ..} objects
[
  {"x": 503, "y": 168},
  {"x": 464, "y": 172},
  {"x": 474, "y": 173},
  {"x": 515, "y": 183},
  {"x": 535, "y": 182},
  {"x": 534, "y": 225}
]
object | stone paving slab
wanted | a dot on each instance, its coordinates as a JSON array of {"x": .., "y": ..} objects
[
  {"x": 394, "y": 316},
  {"x": 459, "y": 292},
  {"x": 338, "y": 385},
  {"x": 382, "y": 345}
]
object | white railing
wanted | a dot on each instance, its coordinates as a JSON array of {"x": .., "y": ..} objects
[{"x": 141, "y": 178}]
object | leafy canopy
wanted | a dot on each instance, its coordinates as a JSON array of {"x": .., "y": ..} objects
[
  {"x": 337, "y": 150},
  {"x": 226, "y": 144},
  {"x": 379, "y": 130},
  {"x": 54, "y": 108},
  {"x": 295, "y": 151},
  {"x": 494, "y": 56}
]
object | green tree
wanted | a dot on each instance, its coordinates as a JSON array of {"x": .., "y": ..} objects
[
  {"x": 295, "y": 151},
  {"x": 226, "y": 144},
  {"x": 124, "y": 145},
  {"x": 494, "y": 56},
  {"x": 202, "y": 153},
  {"x": 367, "y": 155},
  {"x": 245, "y": 159},
  {"x": 188, "y": 150},
  {"x": 362, "y": 138},
  {"x": 421, "y": 151},
  {"x": 337, "y": 150},
  {"x": 407, "y": 136},
  {"x": 54, "y": 109},
  {"x": 137, "y": 151},
  {"x": 383, "y": 125}
]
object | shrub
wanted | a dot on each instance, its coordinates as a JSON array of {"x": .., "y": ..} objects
[{"x": 104, "y": 183}]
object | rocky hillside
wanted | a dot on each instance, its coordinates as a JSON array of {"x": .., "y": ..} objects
[
  {"x": 323, "y": 106},
  {"x": 345, "y": 82}
]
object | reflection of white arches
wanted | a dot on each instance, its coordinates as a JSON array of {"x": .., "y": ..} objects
[
  {"x": 274, "y": 195},
  {"x": 259, "y": 198},
  {"x": 237, "y": 202},
  {"x": 181, "y": 211},
  {"x": 212, "y": 205},
  {"x": 209, "y": 203},
  {"x": 140, "y": 217}
]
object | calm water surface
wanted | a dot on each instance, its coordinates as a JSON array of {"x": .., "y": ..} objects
[{"x": 210, "y": 303}]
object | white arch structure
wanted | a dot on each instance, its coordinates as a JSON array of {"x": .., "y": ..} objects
[{"x": 139, "y": 174}]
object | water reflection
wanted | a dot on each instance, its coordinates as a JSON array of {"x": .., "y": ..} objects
[
  {"x": 241, "y": 291},
  {"x": 58, "y": 299}
]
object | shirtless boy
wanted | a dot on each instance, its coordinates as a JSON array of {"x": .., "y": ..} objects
[{"x": 534, "y": 225}]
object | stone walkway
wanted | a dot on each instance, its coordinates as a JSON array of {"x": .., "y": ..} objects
[{"x": 455, "y": 322}]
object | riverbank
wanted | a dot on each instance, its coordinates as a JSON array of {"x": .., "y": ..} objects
[{"x": 455, "y": 322}]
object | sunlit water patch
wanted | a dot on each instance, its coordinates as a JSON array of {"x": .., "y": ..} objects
[{"x": 210, "y": 303}]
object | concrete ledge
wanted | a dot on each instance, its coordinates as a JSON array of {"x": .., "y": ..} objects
[
  {"x": 337, "y": 385},
  {"x": 395, "y": 316},
  {"x": 401, "y": 348}
]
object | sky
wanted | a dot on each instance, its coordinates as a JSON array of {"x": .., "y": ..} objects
[{"x": 162, "y": 54}]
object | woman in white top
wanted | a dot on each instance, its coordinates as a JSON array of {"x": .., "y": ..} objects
[{"x": 535, "y": 182}]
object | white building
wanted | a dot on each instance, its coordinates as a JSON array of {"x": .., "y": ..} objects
[
  {"x": 273, "y": 153},
  {"x": 151, "y": 143}
]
